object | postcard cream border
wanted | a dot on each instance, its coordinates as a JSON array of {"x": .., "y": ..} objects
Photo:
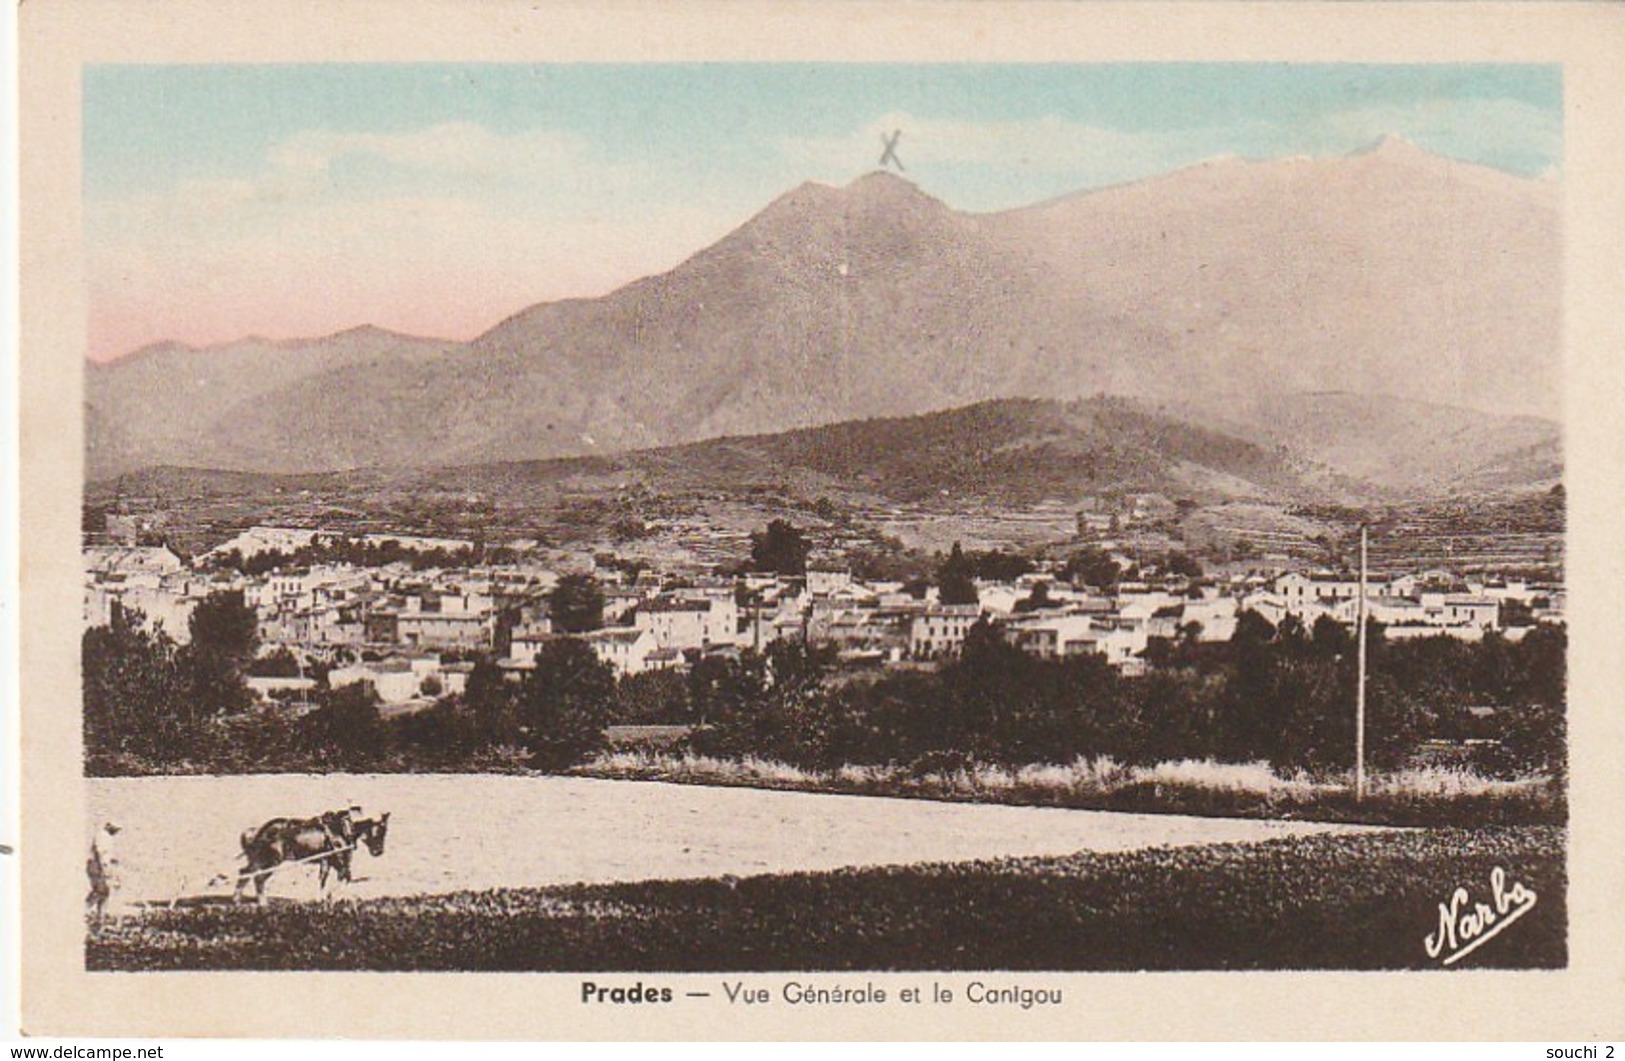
[{"x": 57, "y": 37}]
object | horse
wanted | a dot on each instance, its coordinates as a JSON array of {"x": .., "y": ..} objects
[
  {"x": 328, "y": 840},
  {"x": 364, "y": 832}
]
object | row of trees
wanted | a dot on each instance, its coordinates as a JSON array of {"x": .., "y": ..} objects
[
  {"x": 957, "y": 573},
  {"x": 1279, "y": 694},
  {"x": 1283, "y": 696},
  {"x": 783, "y": 549},
  {"x": 359, "y": 552},
  {"x": 152, "y": 704}
]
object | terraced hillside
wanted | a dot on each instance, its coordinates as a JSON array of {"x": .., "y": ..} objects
[{"x": 1516, "y": 534}]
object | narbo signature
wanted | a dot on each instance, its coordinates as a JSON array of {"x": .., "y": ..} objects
[{"x": 1465, "y": 925}]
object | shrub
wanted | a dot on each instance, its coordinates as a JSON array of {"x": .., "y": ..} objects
[
  {"x": 346, "y": 731},
  {"x": 440, "y": 735}
]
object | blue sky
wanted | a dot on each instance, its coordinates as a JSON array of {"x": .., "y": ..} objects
[{"x": 518, "y": 183}]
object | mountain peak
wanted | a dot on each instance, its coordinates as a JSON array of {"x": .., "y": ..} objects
[
  {"x": 876, "y": 194},
  {"x": 884, "y": 179},
  {"x": 363, "y": 331},
  {"x": 372, "y": 333},
  {"x": 1392, "y": 147},
  {"x": 1398, "y": 157},
  {"x": 876, "y": 185},
  {"x": 883, "y": 186}
]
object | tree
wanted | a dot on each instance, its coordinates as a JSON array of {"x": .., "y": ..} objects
[
  {"x": 955, "y": 584},
  {"x": 1000, "y": 704},
  {"x": 798, "y": 722},
  {"x": 441, "y": 735},
  {"x": 653, "y": 697},
  {"x": 490, "y": 698},
  {"x": 723, "y": 693},
  {"x": 133, "y": 698},
  {"x": 781, "y": 548},
  {"x": 346, "y": 730},
  {"x": 1174, "y": 718},
  {"x": 225, "y": 633},
  {"x": 1332, "y": 639},
  {"x": 1291, "y": 633},
  {"x": 1396, "y": 721},
  {"x": 1038, "y": 599},
  {"x": 1248, "y": 712},
  {"x": 773, "y": 704},
  {"x": 1094, "y": 568},
  {"x": 223, "y": 625},
  {"x": 985, "y": 648},
  {"x": 1543, "y": 655},
  {"x": 280, "y": 663},
  {"x": 999, "y": 566},
  {"x": 1252, "y": 630},
  {"x": 1178, "y": 563},
  {"x": 576, "y": 604},
  {"x": 564, "y": 704},
  {"x": 1534, "y": 738},
  {"x": 990, "y": 679}
]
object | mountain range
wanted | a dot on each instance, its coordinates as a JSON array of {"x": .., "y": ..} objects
[{"x": 1390, "y": 319}]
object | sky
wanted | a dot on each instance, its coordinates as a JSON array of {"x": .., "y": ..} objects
[{"x": 292, "y": 201}]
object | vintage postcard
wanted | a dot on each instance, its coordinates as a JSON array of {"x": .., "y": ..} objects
[{"x": 822, "y": 521}]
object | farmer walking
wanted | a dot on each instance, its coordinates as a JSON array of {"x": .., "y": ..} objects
[{"x": 105, "y": 869}]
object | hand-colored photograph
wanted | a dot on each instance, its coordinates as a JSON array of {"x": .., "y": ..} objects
[{"x": 824, "y": 516}]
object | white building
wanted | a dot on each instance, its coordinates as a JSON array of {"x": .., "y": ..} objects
[
  {"x": 143, "y": 565},
  {"x": 266, "y": 688},
  {"x": 999, "y": 598},
  {"x": 527, "y": 644},
  {"x": 682, "y": 623},
  {"x": 256, "y": 540},
  {"x": 163, "y": 608},
  {"x": 1215, "y": 616},
  {"x": 1052, "y": 636},
  {"x": 1120, "y": 640},
  {"x": 394, "y": 680},
  {"x": 626, "y": 649},
  {"x": 822, "y": 583},
  {"x": 939, "y": 630}
]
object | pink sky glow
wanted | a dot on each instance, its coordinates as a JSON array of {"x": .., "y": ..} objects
[
  {"x": 230, "y": 305},
  {"x": 434, "y": 269},
  {"x": 122, "y": 322}
]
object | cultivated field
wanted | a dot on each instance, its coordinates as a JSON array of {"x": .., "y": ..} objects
[
  {"x": 453, "y": 833},
  {"x": 1363, "y": 901}
]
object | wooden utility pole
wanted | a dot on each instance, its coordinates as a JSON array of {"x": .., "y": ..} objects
[{"x": 1359, "y": 694}]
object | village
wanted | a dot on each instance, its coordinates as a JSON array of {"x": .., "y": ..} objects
[{"x": 412, "y": 630}]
